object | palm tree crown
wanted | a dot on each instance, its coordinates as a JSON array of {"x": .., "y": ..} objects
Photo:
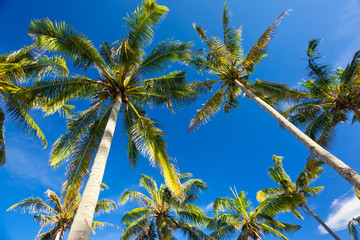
[
  {"x": 330, "y": 97},
  {"x": 298, "y": 191},
  {"x": 234, "y": 216},
  {"x": 124, "y": 72},
  {"x": 126, "y": 84},
  {"x": 226, "y": 60},
  {"x": 291, "y": 195},
  {"x": 59, "y": 213},
  {"x": 16, "y": 69},
  {"x": 161, "y": 213}
]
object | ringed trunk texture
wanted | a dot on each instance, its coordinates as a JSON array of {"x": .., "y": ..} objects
[
  {"x": 81, "y": 227},
  {"x": 320, "y": 221},
  {"x": 340, "y": 167}
]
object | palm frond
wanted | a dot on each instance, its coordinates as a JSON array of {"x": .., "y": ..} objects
[
  {"x": 96, "y": 225},
  {"x": 129, "y": 195},
  {"x": 258, "y": 50},
  {"x": 162, "y": 55},
  {"x": 141, "y": 24},
  {"x": 62, "y": 38},
  {"x": 310, "y": 173},
  {"x": 54, "y": 200},
  {"x": 135, "y": 214},
  {"x": 105, "y": 205},
  {"x": 267, "y": 192},
  {"x": 232, "y": 36},
  {"x": 77, "y": 126},
  {"x": 317, "y": 71},
  {"x": 209, "y": 109},
  {"x": 32, "y": 205},
  {"x": 82, "y": 157},
  {"x": 171, "y": 89},
  {"x": 149, "y": 140},
  {"x": 23, "y": 120}
]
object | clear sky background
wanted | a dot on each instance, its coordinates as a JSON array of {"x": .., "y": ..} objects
[{"x": 234, "y": 149}]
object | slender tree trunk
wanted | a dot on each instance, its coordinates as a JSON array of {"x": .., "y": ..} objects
[
  {"x": 81, "y": 227},
  {"x": 158, "y": 227},
  {"x": 320, "y": 221},
  {"x": 59, "y": 234},
  {"x": 340, "y": 167}
]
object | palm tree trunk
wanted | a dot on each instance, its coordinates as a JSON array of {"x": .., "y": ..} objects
[
  {"x": 81, "y": 227},
  {"x": 320, "y": 221},
  {"x": 59, "y": 234},
  {"x": 340, "y": 167},
  {"x": 158, "y": 228}
]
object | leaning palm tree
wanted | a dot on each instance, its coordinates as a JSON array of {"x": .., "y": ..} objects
[
  {"x": 294, "y": 193},
  {"x": 227, "y": 62},
  {"x": 162, "y": 213},
  {"x": 16, "y": 69},
  {"x": 59, "y": 213},
  {"x": 331, "y": 97},
  {"x": 353, "y": 224},
  {"x": 123, "y": 85},
  {"x": 234, "y": 218}
]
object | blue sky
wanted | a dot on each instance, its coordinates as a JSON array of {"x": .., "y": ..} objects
[{"x": 234, "y": 149}]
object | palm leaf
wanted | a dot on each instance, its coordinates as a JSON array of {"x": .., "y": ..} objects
[
  {"x": 258, "y": 50},
  {"x": 148, "y": 139},
  {"x": 210, "y": 108},
  {"x": 62, "y": 38}
]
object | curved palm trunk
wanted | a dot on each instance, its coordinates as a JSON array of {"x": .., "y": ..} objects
[
  {"x": 158, "y": 227},
  {"x": 320, "y": 221},
  {"x": 81, "y": 227},
  {"x": 340, "y": 167}
]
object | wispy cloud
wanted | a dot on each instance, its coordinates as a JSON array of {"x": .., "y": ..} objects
[
  {"x": 208, "y": 208},
  {"x": 346, "y": 29},
  {"x": 32, "y": 167},
  {"x": 343, "y": 209}
]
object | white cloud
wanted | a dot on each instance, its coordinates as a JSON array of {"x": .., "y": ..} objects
[
  {"x": 208, "y": 208},
  {"x": 343, "y": 210},
  {"x": 27, "y": 165},
  {"x": 346, "y": 29}
]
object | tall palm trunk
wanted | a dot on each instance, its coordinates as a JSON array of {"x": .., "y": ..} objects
[
  {"x": 81, "y": 227},
  {"x": 158, "y": 227},
  {"x": 320, "y": 221},
  {"x": 340, "y": 167},
  {"x": 59, "y": 234}
]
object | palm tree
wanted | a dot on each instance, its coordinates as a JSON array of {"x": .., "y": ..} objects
[
  {"x": 226, "y": 61},
  {"x": 18, "y": 68},
  {"x": 59, "y": 213},
  {"x": 294, "y": 193},
  {"x": 233, "y": 215},
  {"x": 123, "y": 86},
  {"x": 331, "y": 96},
  {"x": 353, "y": 224},
  {"x": 162, "y": 213}
]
